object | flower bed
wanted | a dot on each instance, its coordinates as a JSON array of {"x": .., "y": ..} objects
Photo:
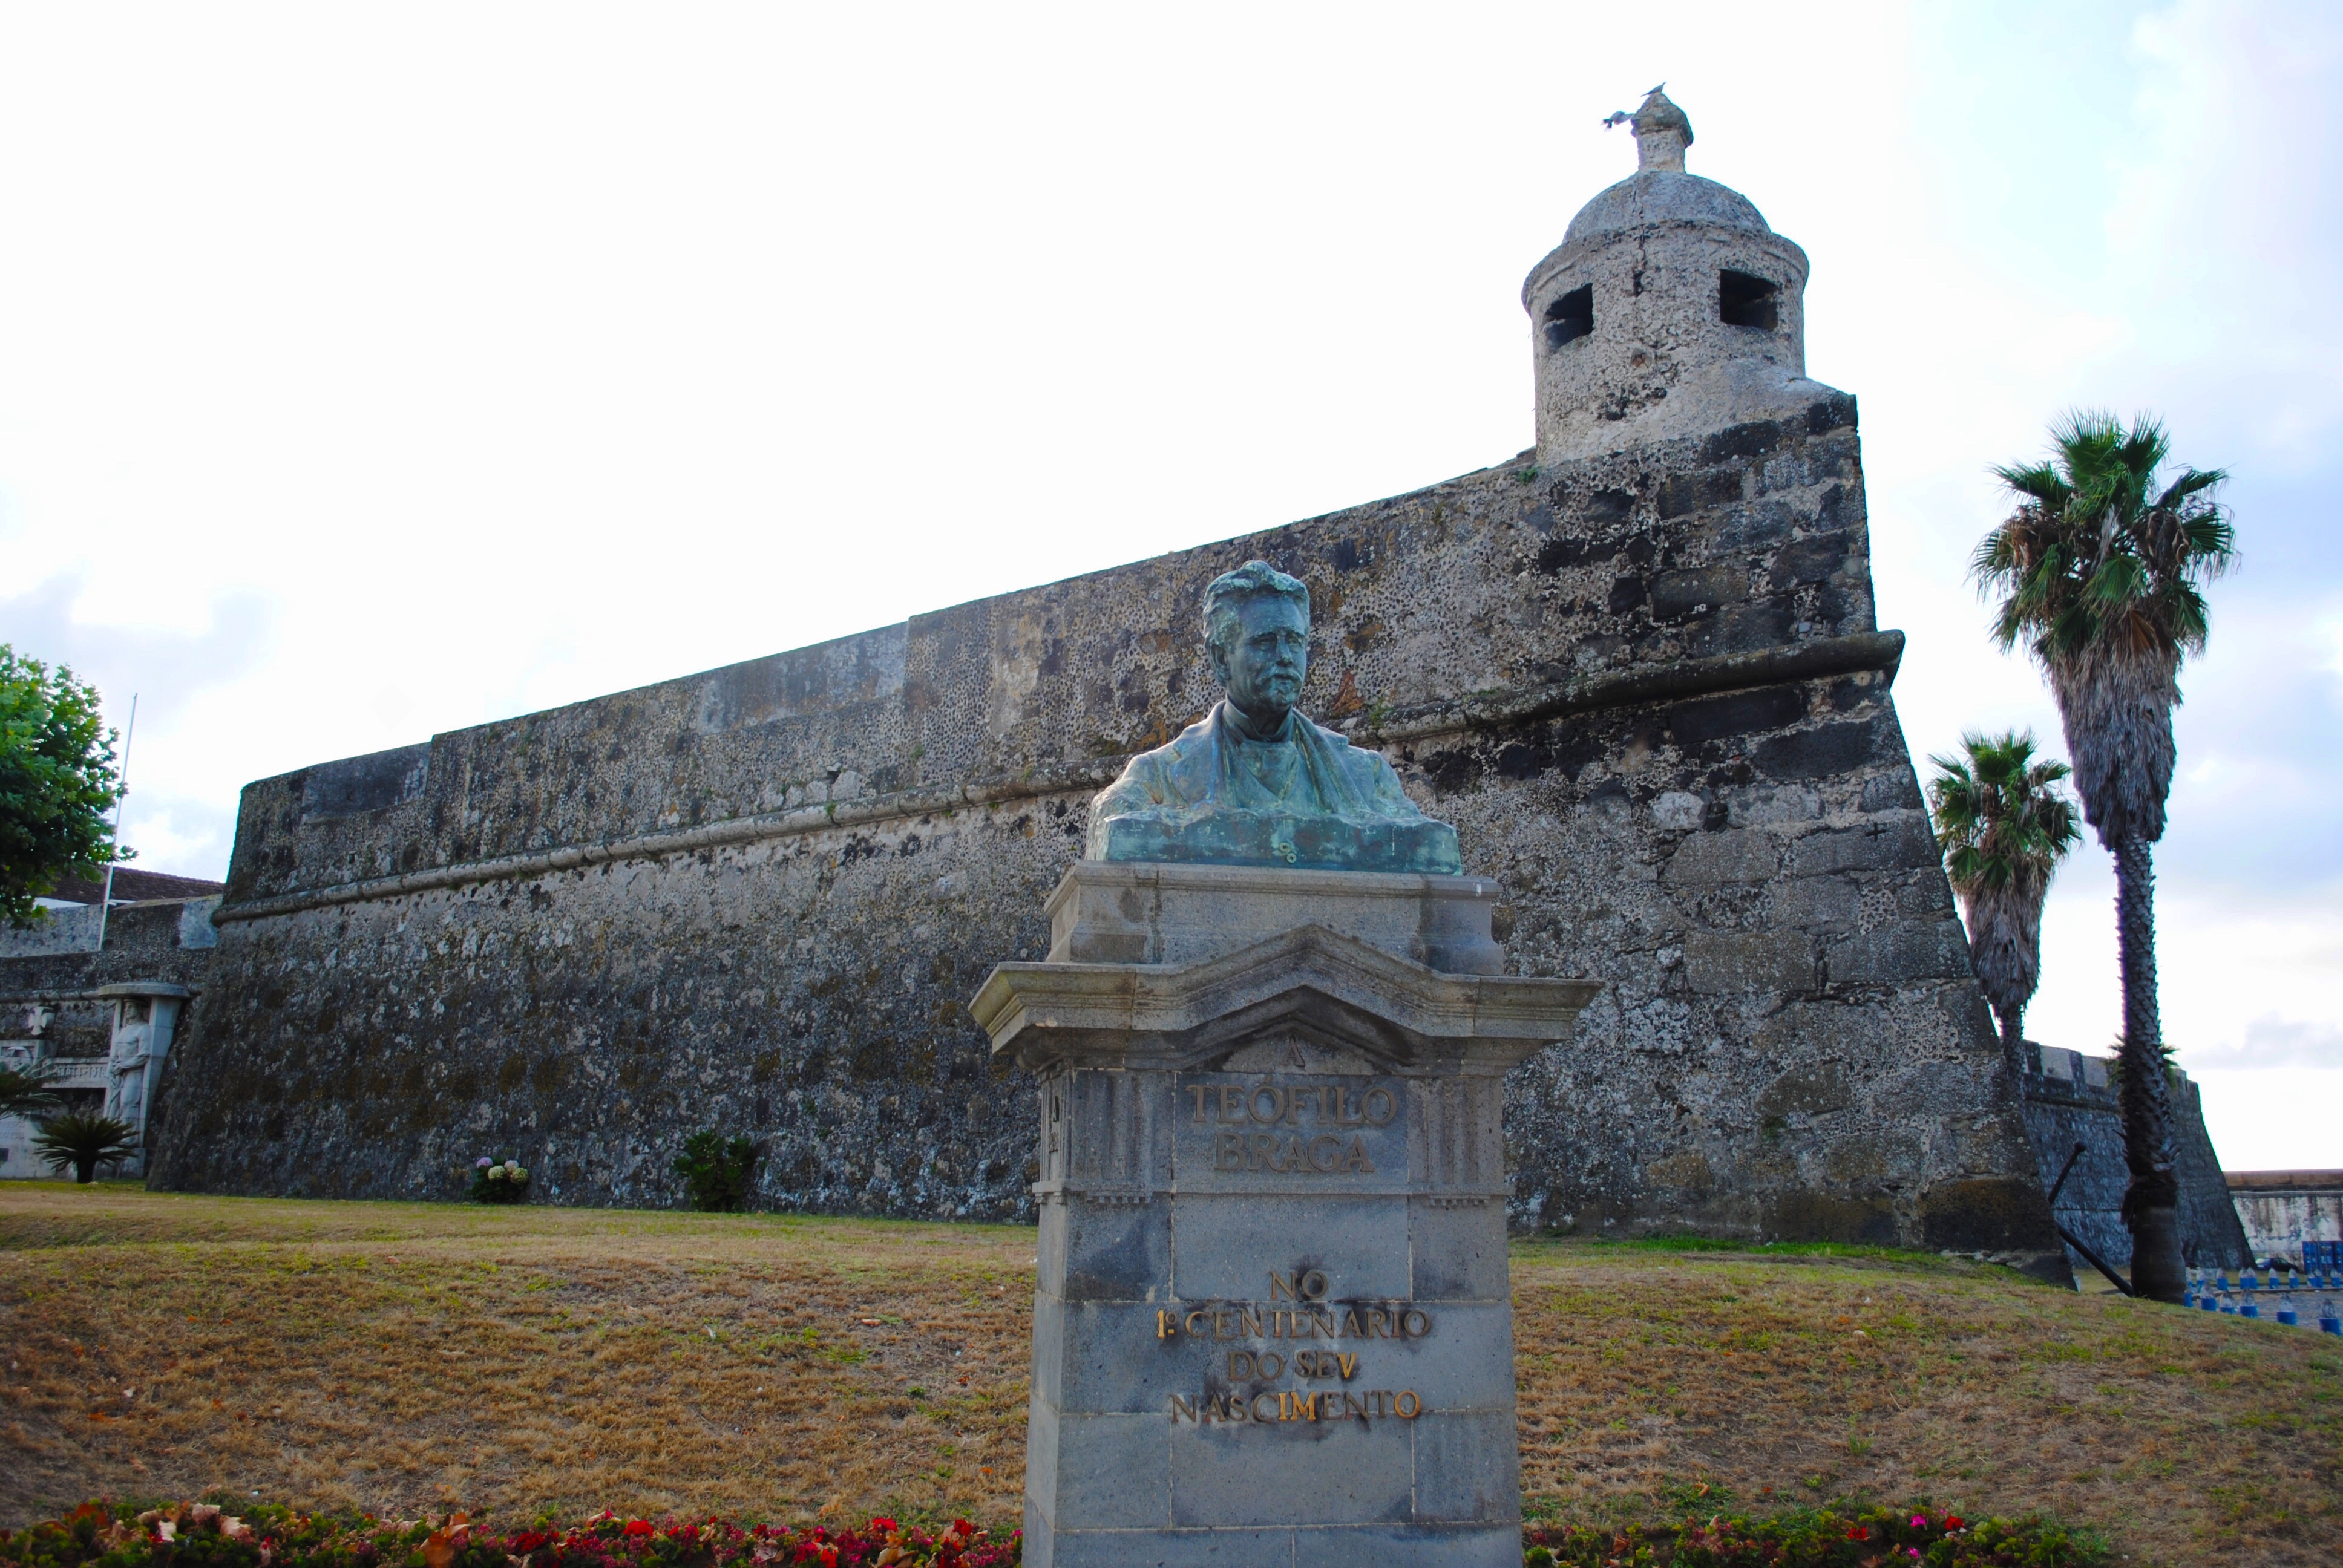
[
  {"x": 1818, "y": 1538},
  {"x": 199, "y": 1535}
]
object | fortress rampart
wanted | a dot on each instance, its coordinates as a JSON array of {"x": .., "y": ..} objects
[{"x": 1644, "y": 683}]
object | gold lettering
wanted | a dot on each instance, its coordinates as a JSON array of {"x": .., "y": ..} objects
[
  {"x": 1354, "y": 1407},
  {"x": 1351, "y": 1329},
  {"x": 1191, "y": 1323},
  {"x": 1255, "y": 1411},
  {"x": 1269, "y": 1364},
  {"x": 1322, "y": 1325},
  {"x": 1281, "y": 1286},
  {"x": 1186, "y": 1407},
  {"x": 1357, "y": 1160},
  {"x": 1409, "y": 1320},
  {"x": 1378, "y": 1322},
  {"x": 1349, "y": 1365},
  {"x": 1313, "y": 1285},
  {"x": 1241, "y": 1366},
  {"x": 1249, "y": 1319},
  {"x": 1166, "y": 1324},
  {"x": 1407, "y": 1406},
  {"x": 1390, "y": 1106}
]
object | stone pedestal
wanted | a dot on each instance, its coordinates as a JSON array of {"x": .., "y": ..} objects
[{"x": 1272, "y": 1324}]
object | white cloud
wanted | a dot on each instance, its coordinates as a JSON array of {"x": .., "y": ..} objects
[{"x": 2270, "y": 1041}]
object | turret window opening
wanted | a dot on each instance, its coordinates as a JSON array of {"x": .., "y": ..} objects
[
  {"x": 1744, "y": 299},
  {"x": 1570, "y": 317}
]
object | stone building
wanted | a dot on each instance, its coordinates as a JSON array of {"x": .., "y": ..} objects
[
  {"x": 1637, "y": 666},
  {"x": 2294, "y": 1216},
  {"x": 96, "y": 991}
]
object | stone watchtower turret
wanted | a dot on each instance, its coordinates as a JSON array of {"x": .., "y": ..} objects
[{"x": 1668, "y": 309}]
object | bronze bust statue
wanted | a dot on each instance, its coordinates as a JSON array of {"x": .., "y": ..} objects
[{"x": 1255, "y": 783}]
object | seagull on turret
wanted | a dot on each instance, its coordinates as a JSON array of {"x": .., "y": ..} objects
[{"x": 1622, "y": 116}]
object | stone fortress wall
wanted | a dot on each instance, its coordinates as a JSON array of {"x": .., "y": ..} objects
[{"x": 1645, "y": 681}]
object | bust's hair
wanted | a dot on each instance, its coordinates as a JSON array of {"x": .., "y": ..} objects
[{"x": 1250, "y": 580}]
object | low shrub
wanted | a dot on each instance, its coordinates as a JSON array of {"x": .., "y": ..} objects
[
  {"x": 200, "y": 1535},
  {"x": 715, "y": 1169},
  {"x": 1818, "y": 1538},
  {"x": 495, "y": 1182}
]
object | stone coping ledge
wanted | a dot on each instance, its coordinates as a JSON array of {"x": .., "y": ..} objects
[
  {"x": 1878, "y": 650},
  {"x": 2283, "y": 1181}
]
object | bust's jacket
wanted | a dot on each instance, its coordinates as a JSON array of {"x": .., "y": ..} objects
[{"x": 1201, "y": 771}]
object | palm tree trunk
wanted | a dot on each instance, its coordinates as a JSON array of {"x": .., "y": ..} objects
[
  {"x": 2013, "y": 1043},
  {"x": 2151, "y": 1205}
]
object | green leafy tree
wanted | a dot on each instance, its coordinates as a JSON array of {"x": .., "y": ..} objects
[
  {"x": 2101, "y": 570},
  {"x": 57, "y": 782},
  {"x": 2004, "y": 824},
  {"x": 29, "y": 1091},
  {"x": 716, "y": 1170},
  {"x": 81, "y": 1140}
]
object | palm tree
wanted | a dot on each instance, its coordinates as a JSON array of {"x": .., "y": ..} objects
[
  {"x": 83, "y": 1141},
  {"x": 2102, "y": 573},
  {"x": 2004, "y": 825}
]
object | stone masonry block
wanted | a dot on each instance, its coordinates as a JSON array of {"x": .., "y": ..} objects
[
  {"x": 1736, "y": 855},
  {"x": 1810, "y": 902},
  {"x": 1221, "y": 1245},
  {"x": 1457, "y": 1253},
  {"x": 1295, "y": 1472},
  {"x": 1110, "y": 1252},
  {"x": 1465, "y": 1547},
  {"x": 1722, "y": 964},
  {"x": 1895, "y": 844},
  {"x": 1819, "y": 752},
  {"x": 1114, "y": 1472},
  {"x": 1161, "y": 1549},
  {"x": 1677, "y": 594},
  {"x": 1110, "y": 1360},
  {"x": 1899, "y": 955},
  {"x": 1468, "y": 1467}
]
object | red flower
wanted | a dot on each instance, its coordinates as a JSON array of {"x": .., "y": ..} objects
[
  {"x": 1953, "y": 1522},
  {"x": 1858, "y": 1533},
  {"x": 884, "y": 1526},
  {"x": 639, "y": 1527}
]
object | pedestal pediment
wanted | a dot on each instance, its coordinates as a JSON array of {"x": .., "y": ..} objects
[{"x": 1311, "y": 987}]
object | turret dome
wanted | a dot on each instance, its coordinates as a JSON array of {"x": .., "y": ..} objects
[
  {"x": 1669, "y": 310},
  {"x": 1651, "y": 196}
]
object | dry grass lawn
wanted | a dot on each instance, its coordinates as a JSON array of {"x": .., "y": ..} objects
[{"x": 402, "y": 1357}]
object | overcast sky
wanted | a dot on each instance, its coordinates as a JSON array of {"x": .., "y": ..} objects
[{"x": 371, "y": 372}]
